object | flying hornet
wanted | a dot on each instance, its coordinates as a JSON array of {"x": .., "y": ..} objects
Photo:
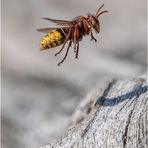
[{"x": 71, "y": 32}]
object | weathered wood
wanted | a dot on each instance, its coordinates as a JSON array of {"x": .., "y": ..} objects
[{"x": 115, "y": 117}]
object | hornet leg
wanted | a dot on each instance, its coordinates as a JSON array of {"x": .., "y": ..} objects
[
  {"x": 77, "y": 51},
  {"x": 67, "y": 38},
  {"x": 75, "y": 40},
  {"x": 92, "y": 37},
  {"x": 65, "y": 54}
]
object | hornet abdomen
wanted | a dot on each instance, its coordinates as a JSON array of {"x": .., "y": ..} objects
[{"x": 52, "y": 39}]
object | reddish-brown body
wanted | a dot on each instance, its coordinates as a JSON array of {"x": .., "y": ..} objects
[{"x": 73, "y": 32}]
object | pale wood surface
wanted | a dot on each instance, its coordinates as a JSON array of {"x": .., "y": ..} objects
[{"x": 113, "y": 117}]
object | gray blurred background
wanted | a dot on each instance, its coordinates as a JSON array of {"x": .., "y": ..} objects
[{"x": 38, "y": 97}]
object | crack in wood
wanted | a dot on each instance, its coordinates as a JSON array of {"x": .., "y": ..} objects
[
  {"x": 124, "y": 137},
  {"x": 105, "y": 93}
]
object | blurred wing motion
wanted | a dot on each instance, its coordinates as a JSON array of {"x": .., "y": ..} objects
[
  {"x": 45, "y": 30},
  {"x": 60, "y": 22},
  {"x": 54, "y": 36}
]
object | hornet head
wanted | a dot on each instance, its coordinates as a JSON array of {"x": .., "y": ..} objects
[{"x": 94, "y": 19}]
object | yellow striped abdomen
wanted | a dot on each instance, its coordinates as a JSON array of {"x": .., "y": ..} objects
[{"x": 52, "y": 39}]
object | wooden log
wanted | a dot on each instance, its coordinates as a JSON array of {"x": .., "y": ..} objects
[{"x": 114, "y": 117}]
